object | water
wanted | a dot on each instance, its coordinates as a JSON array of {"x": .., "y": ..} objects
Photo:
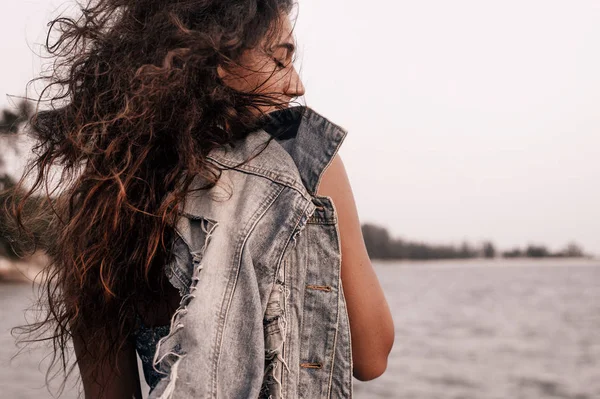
[{"x": 464, "y": 330}]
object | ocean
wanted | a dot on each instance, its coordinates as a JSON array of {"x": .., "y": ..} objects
[{"x": 475, "y": 329}]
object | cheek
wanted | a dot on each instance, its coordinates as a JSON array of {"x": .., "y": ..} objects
[
  {"x": 245, "y": 80},
  {"x": 277, "y": 82},
  {"x": 273, "y": 83},
  {"x": 240, "y": 80}
]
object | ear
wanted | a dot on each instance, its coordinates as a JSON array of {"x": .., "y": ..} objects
[{"x": 221, "y": 72}]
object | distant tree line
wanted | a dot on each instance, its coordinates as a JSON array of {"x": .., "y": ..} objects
[
  {"x": 380, "y": 245},
  {"x": 12, "y": 245},
  {"x": 9, "y": 125},
  {"x": 572, "y": 250}
]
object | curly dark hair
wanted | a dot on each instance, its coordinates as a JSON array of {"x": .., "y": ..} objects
[{"x": 135, "y": 105}]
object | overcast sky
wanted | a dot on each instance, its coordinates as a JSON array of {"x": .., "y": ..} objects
[{"x": 467, "y": 120}]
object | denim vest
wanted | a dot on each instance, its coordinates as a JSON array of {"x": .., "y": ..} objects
[{"x": 257, "y": 261}]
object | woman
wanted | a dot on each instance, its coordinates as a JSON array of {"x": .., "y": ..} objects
[{"x": 149, "y": 88}]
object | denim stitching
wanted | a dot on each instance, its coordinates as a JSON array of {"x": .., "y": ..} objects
[{"x": 337, "y": 321}]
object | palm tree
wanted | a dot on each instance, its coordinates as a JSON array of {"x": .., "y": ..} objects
[
  {"x": 10, "y": 124},
  {"x": 10, "y": 121}
]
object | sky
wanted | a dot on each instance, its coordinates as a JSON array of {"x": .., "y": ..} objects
[{"x": 467, "y": 120}]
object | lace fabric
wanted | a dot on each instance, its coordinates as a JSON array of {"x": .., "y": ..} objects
[{"x": 146, "y": 339}]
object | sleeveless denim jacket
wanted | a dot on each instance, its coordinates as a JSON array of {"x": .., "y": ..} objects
[{"x": 257, "y": 261}]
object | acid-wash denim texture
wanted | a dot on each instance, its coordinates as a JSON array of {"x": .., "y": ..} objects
[{"x": 257, "y": 262}]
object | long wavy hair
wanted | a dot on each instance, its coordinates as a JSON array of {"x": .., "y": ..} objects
[{"x": 135, "y": 104}]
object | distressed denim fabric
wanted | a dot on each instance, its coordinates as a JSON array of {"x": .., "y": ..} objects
[{"x": 257, "y": 261}]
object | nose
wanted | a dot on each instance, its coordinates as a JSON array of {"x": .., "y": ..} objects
[{"x": 295, "y": 87}]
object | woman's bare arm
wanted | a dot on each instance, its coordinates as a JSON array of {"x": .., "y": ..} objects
[
  {"x": 109, "y": 384},
  {"x": 371, "y": 323}
]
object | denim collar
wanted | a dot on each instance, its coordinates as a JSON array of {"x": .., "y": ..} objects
[{"x": 309, "y": 139}]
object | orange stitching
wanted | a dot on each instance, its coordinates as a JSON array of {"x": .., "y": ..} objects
[
  {"x": 311, "y": 365},
  {"x": 319, "y": 287}
]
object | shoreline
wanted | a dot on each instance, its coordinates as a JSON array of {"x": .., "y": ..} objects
[
  {"x": 495, "y": 262},
  {"x": 21, "y": 271}
]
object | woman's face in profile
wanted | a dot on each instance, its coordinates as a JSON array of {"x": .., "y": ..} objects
[{"x": 268, "y": 70}]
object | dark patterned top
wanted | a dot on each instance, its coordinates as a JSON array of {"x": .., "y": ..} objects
[{"x": 146, "y": 339}]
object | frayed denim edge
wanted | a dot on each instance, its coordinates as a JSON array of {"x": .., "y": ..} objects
[{"x": 176, "y": 324}]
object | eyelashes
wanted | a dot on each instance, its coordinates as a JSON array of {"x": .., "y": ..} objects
[{"x": 279, "y": 64}]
